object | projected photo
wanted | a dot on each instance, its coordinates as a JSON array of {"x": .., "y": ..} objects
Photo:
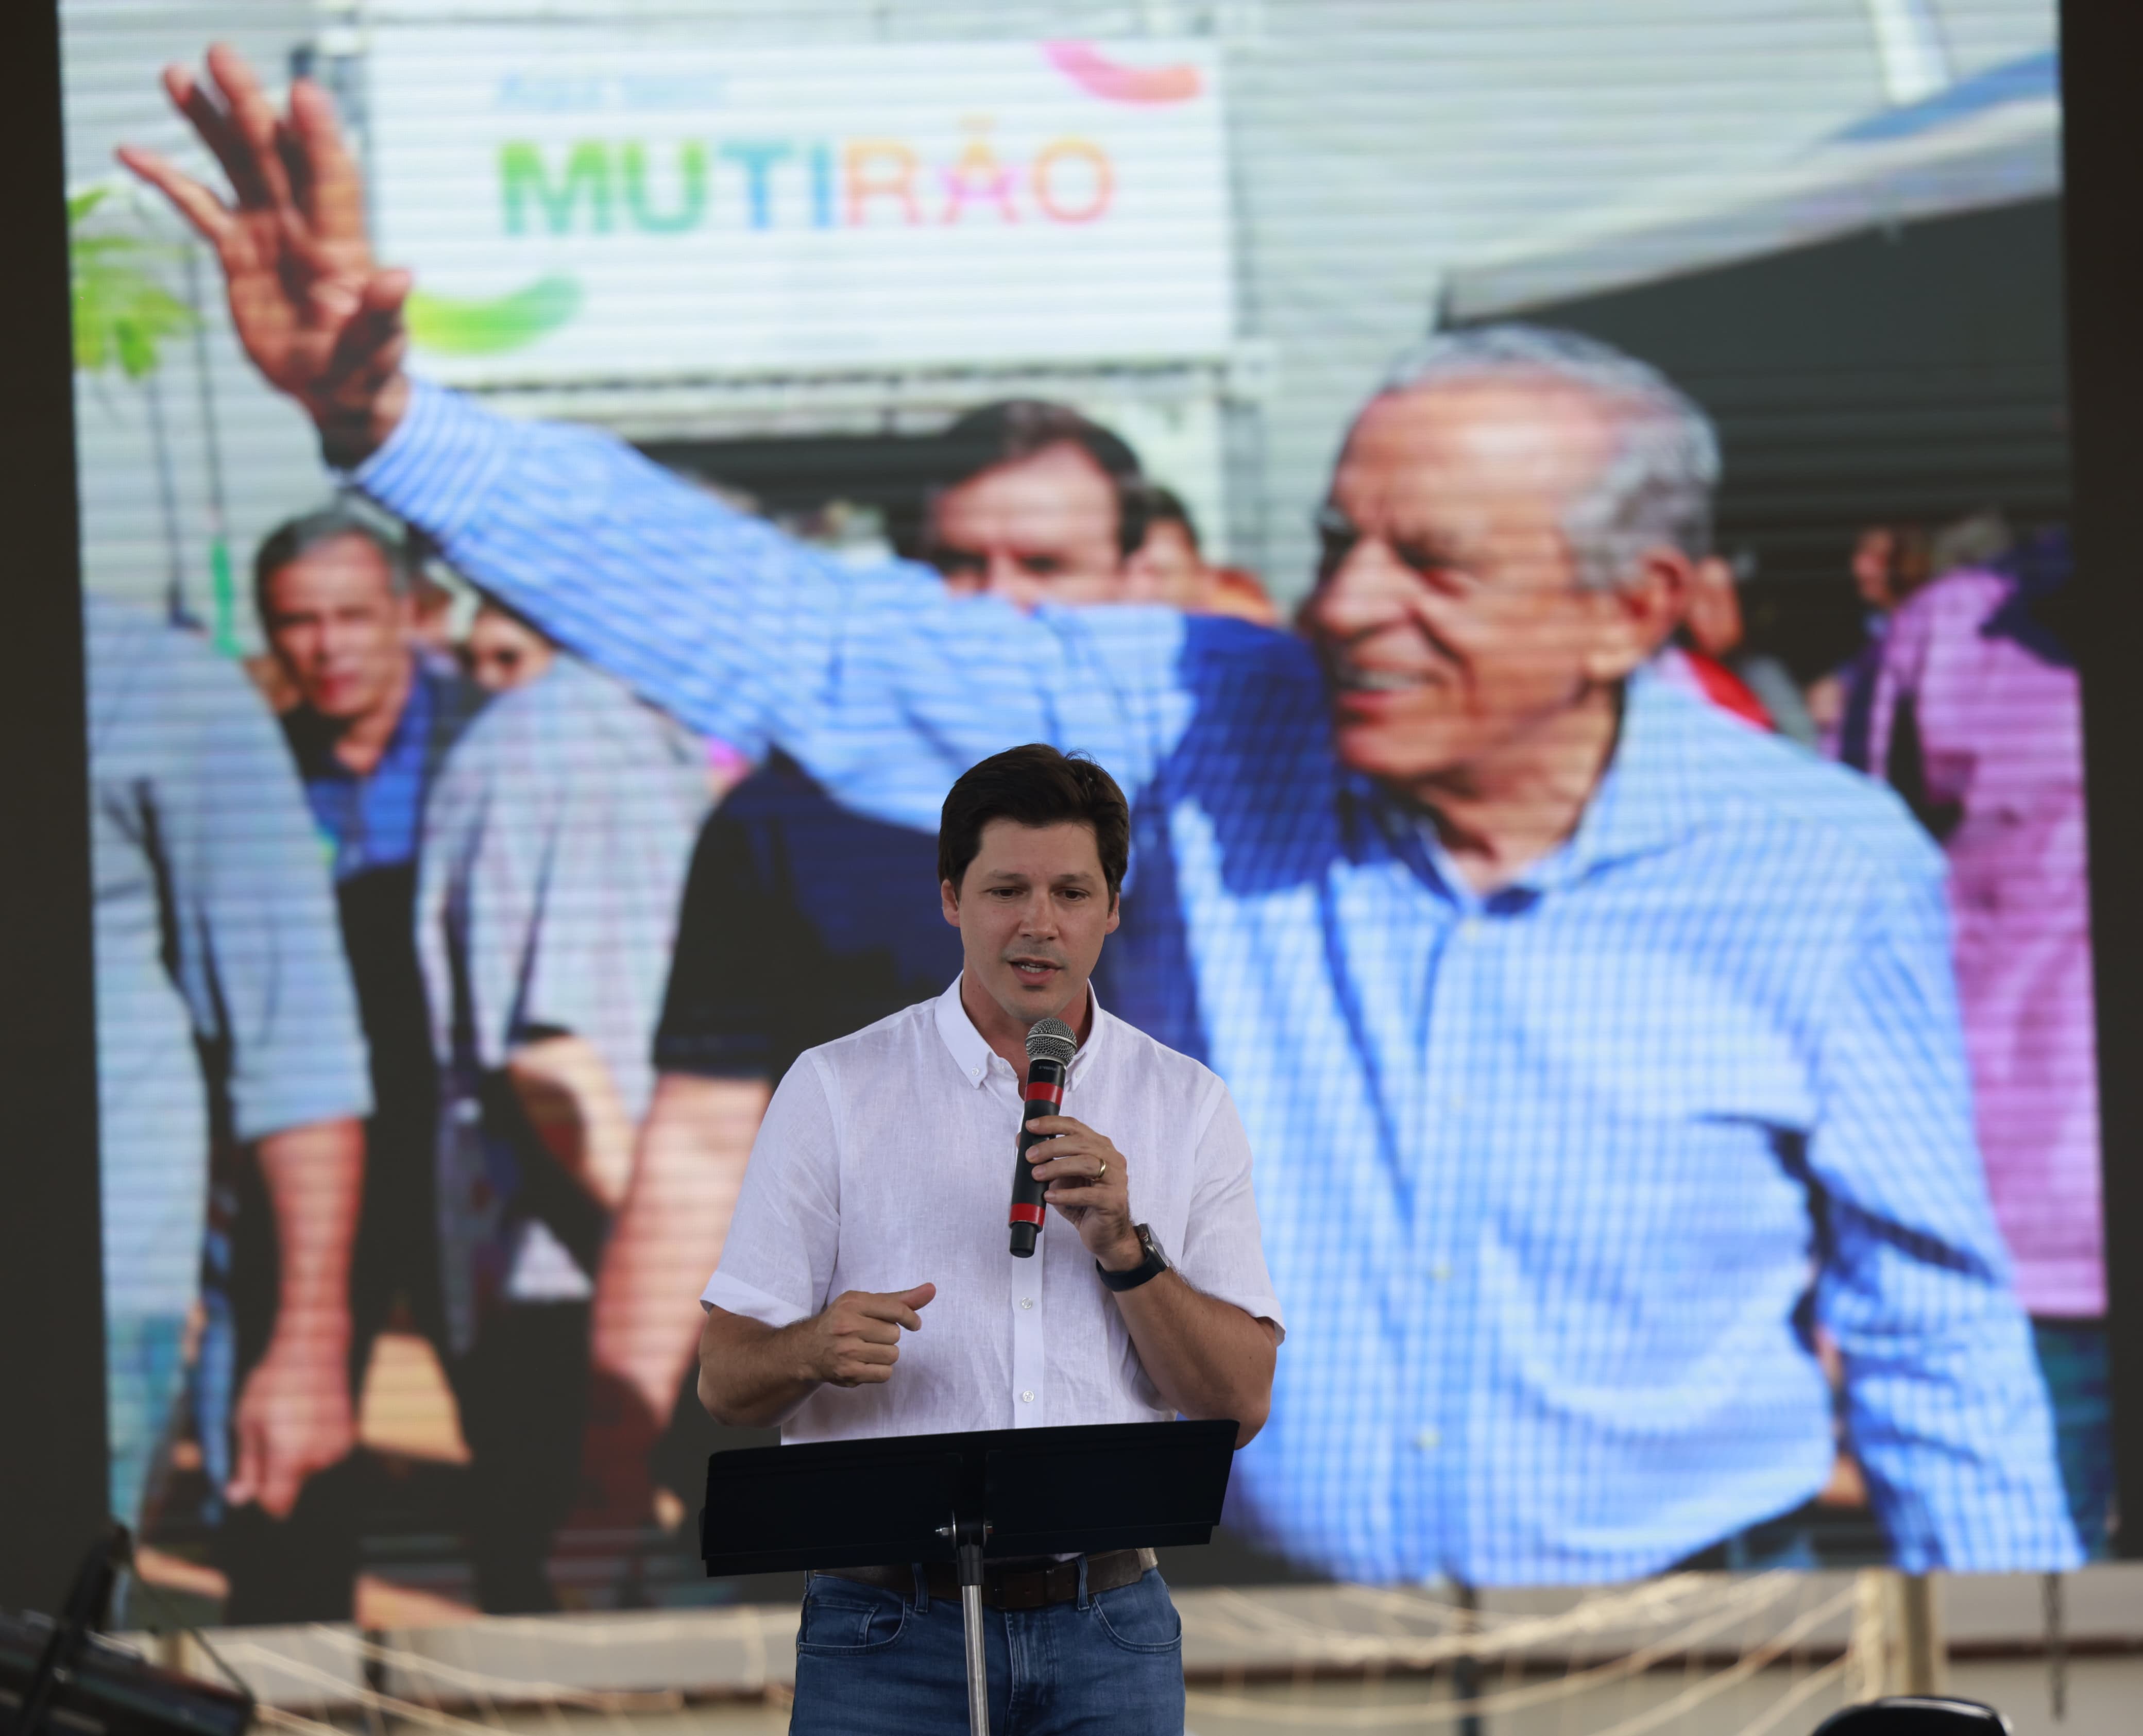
[{"x": 1556, "y": 529}]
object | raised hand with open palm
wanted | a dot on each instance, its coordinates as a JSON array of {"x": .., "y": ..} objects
[{"x": 317, "y": 314}]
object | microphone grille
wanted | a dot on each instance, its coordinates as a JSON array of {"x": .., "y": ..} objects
[{"x": 1051, "y": 1040}]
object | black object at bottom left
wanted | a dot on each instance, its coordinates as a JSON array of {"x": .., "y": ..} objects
[{"x": 63, "y": 1678}]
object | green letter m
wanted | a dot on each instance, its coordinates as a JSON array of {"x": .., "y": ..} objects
[{"x": 520, "y": 174}]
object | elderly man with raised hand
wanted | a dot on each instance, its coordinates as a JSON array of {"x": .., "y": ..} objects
[{"x": 1595, "y": 1049}]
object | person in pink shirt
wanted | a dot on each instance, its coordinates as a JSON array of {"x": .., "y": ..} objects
[{"x": 1976, "y": 722}]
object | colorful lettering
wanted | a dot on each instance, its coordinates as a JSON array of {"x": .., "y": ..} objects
[
  {"x": 599, "y": 186},
  {"x": 691, "y": 190},
  {"x": 822, "y": 185},
  {"x": 864, "y": 185},
  {"x": 757, "y": 157},
  {"x": 1101, "y": 178},
  {"x": 521, "y": 177},
  {"x": 977, "y": 174}
]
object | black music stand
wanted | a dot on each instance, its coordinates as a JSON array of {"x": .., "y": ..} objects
[{"x": 965, "y": 1498}]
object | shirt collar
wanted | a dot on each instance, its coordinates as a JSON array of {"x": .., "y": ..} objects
[
  {"x": 1647, "y": 799},
  {"x": 412, "y": 730},
  {"x": 972, "y": 1054}
]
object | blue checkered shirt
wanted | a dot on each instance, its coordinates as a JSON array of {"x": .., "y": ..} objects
[{"x": 1558, "y": 1183}]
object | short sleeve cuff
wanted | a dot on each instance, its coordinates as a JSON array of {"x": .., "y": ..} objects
[
  {"x": 297, "y": 1095},
  {"x": 734, "y": 1296},
  {"x": 439, "y": 464},
  {"x": 1258, "y": 1304}
]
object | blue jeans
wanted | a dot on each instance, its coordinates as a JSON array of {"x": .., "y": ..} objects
[
  {"x": 875, "y": 1663},
  {"x": 2072, "y": 1362}
]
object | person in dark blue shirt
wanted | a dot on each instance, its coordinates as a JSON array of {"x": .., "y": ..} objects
[{"x": 372, "y": 721}]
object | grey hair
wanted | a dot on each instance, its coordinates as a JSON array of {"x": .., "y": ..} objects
[
  {"x": 1656, "y": 486},
  {"x": 346, "y": 516}
]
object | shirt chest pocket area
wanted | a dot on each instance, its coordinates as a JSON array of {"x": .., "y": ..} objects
[
  {"x": 1615, "y": 1036},
  {"x": 1644, "y": 1111}
]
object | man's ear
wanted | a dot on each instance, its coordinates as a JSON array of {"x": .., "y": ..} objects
[
  {"x": 1640, "y": 612},
  {"x": 948, "y": 900},
  {"x": 1116, "y": 913}
]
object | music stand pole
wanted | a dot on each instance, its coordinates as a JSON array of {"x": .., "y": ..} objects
[{"x": 968, "y": 1535}]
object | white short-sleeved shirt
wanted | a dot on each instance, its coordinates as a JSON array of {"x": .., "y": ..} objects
[{"x": 885, "y": 1161}]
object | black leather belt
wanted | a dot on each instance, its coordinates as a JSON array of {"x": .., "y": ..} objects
[{"x": 1013, "y": 1585}]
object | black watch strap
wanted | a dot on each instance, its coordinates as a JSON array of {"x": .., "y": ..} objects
[{"x": 1152, "y": 1266}]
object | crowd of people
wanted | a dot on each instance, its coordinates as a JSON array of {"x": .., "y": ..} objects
[{"x": 1623, "y": 1150}]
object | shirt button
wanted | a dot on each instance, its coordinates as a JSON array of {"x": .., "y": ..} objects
[
  {"x": 1427, "y": 1440},
  {"x": 1469, "y": 928},
  {"x": 1026, "y": 1302},
  {"x": 1026, "y": 1397},
  {"x": 1441, "y": 1271}
]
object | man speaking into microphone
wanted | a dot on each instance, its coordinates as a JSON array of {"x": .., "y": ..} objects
[{"x": 866, "y": 1287}]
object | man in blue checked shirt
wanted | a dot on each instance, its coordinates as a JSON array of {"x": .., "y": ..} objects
[{"x": 1595, "y": 1049}]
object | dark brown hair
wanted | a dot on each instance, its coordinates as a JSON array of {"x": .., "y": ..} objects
[
  {"x": 294, "y": 538},
  {"x": 1014, "y": 429},
  {"x": 1034, "y": 786}
]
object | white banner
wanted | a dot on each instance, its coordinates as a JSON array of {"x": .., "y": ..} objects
[{"x": 580, "y": 206}]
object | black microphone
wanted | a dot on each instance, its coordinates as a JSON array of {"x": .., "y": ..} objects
[{"x": 1050, "y": 1047}]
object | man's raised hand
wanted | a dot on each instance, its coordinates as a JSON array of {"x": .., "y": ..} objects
[
  {"x": 317, "y": 317},
  {"x": 857, "y": 1340}
]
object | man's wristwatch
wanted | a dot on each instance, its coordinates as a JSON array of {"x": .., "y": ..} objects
[{"x": 1152, "y": 1266}]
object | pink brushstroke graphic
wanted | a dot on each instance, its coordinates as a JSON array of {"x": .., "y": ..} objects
[{"x": 1103, "y": 77}]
